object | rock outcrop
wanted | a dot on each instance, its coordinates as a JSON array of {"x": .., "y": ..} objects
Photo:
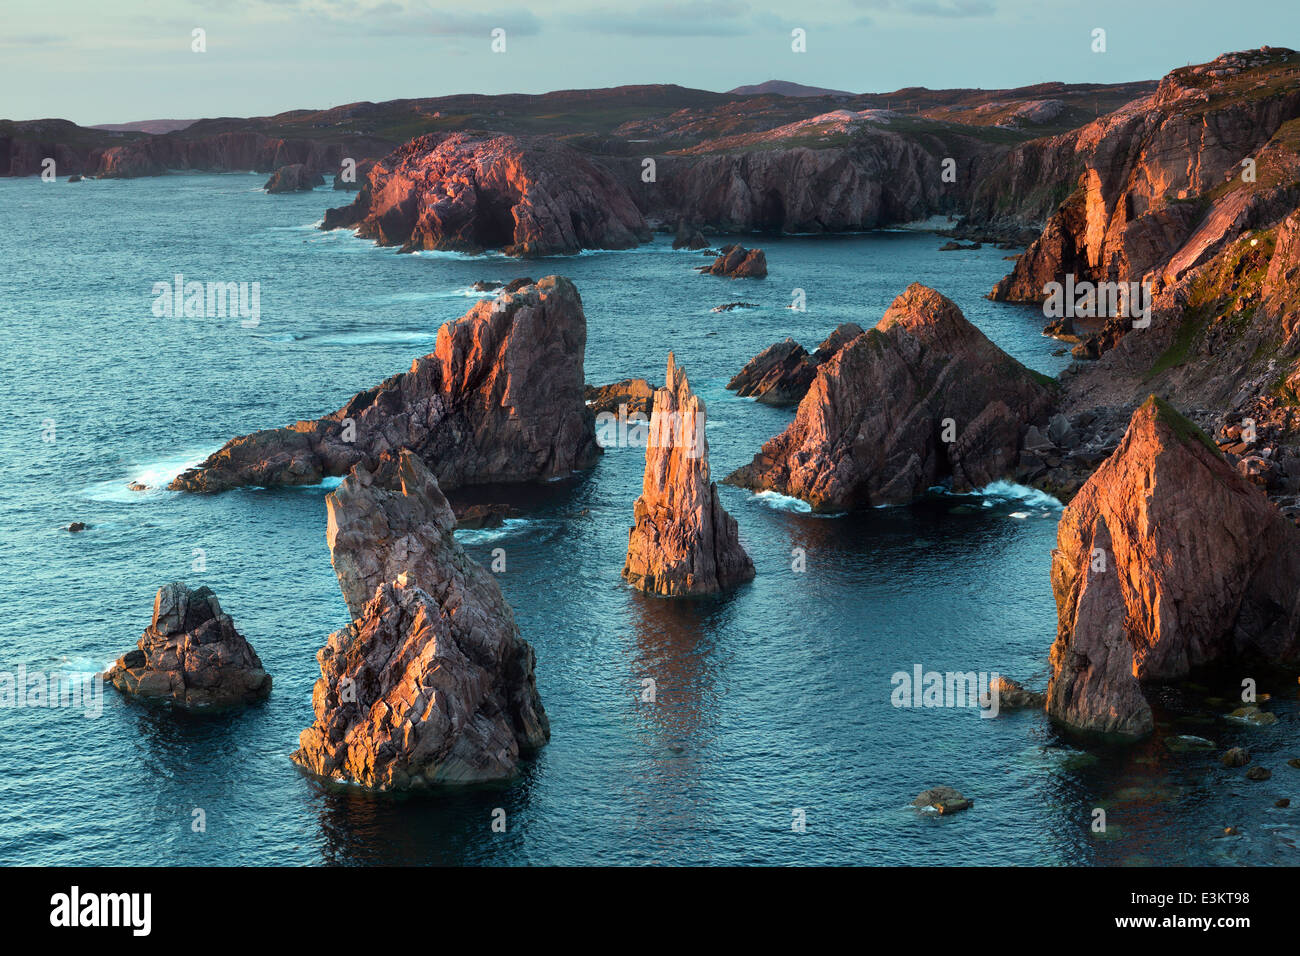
[
  {"x": 470, "y": 193},
  {"x": 922, "y": 399},
  {"x": 632, "y": 394},
  {"x": 431, "y": 683},
  {"x": 351, "y": 177},
  {"x": 293, "y": 178},
  {"x": 736, "y": 262},
  {"x": 500, "y": 399},
  {"x": 190, "y": 656},
  {"x": 683, "y": 542},
  {"x": 1167, "y": 560},
  {"x": 782, "y": 373}
]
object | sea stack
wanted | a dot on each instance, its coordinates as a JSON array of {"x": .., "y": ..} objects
[
  {"x": 191, "y": 656},
  {"x": 431, "y": 683},
  {"x": 500, "y": 399},
  {"x": 683, "y": 542},
  {"x": 1166, "y": 560},
  {"x": 922, "y": 399}
]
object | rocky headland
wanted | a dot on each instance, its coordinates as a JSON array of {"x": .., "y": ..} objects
[
  {"x": 431, "y": 683},
  {"x": 190, "y": 656},
  {"x": 527, "y": 196},
  {"x": 500, "y": 399},
  {"x": 683, "y": 542}
]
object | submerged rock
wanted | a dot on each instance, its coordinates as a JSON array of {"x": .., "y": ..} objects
[
  {"x": 466, "y": 192},
  {"x": 1259, "y": 773},
  {"x": 736, "y": 262},
  {"x": 1166, "y": 560},
  {"x": 191, "y": 656},
  {"x": 683, "y": 542},
  {"x": 1251, "y": 716},
  {"x": 293, "y": 178},
  {"x": 1186, "y": 743},
  {"x": 498, "y": 400},
  {"x": 942, "y": 800},
  {"x": 1012, "y": 695},
  {"x": 1235, "y": 757},
  {"x": 431, "y": 683},
  {"x": 922, "y": 399},
  {"x": 782, "y": 373}
]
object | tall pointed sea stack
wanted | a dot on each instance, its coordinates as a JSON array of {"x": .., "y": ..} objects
[
  {"x": 683, "y": 542},
  {"x": 1167, "y": 560},
  {"x": 431, "y": 683}
]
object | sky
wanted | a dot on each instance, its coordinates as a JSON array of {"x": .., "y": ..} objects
[{"x": 114, "y": 61}]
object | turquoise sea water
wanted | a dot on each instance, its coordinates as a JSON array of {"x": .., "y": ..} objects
[{"x": 773, "y": 698}]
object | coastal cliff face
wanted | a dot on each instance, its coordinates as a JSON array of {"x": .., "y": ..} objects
[
  {"x": 1157, "y": 187},
  {"x": 431, "y": 683},
  {"x": 500, "y": 399},
  {"x": 1166, "y": 560},
  {"x": 684, "y": 542},
  {"x": 921, "y": 399},
  {"x": 224, "y": 152},
  {"x": 468, "y": 193},
  {"x": 191, "y": 656}
]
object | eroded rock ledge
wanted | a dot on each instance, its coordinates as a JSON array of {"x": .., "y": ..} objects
[
  {"x": 468, "y": 193},
  {"x": 922, "y": 399},
  {"x": 191, "y": 656},
  {"x": 500, "y": 399},
  {"x": 1166, "y": 560},
  {"x": 431, "y": 683},
  {"x": 683, "y": 542}
]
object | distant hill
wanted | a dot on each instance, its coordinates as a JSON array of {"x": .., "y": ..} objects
[
  {"x": 157, "y": 127},
  {"x": 785, "y": 88}
]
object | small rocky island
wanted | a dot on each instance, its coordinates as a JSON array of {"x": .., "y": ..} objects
[
  {"x": 683, "y": 542},
  {"x": 431, "y": 683},
  {"x": 190, "y": 656}
]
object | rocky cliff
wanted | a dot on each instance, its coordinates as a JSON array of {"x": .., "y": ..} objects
[
  {"x": 526, "y": 196},
  {"x": 191, "y": 656},
  {"x": 683, "y": 542},
  {"x": 431, "y": 683},
  {"x": 1167, "y": 560},
  {"x": 922, "y": 399},
  {"x": 500, "y": 399}
]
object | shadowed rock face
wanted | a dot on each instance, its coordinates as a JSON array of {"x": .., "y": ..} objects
[
  {"x": 921, "y": 399},
  {"x": 524, "y": 196},
  {"x": 499, "y": 400},
  {"x": 191, "y": 655},
  {"x": 683, "y": 541},
  {"x": 431, "y": 683},
  {"x": 1166, "y": 560},
  {"x": 294, "y": 178},
  {"x": 782, "y": 373}
]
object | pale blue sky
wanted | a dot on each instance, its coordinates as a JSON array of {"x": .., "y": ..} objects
[{"x": 106, "y": 61}]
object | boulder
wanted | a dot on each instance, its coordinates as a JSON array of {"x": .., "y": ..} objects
[
  {"x": 922, "y": 399},
  {"x": 1012, "y": 695},
  {"x": 293, "y": 178},
  {"x": 190, "y": 656},
  {"x": 683, "y": 542},
  {"x": 942, "y": 800},
  {"x": 465, "y": 192},
  {"x": 736, "y": 262},
  {"x": 431, "y": 683},
  {"x": 498, "y": 400},
  {"x": 1167, "y": 561},
  {"x": 634, "y": 394}
]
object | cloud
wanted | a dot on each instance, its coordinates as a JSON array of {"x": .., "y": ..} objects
[
  {"x": 704, "y": 18},
  {"x": 933, "y": 8}
]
